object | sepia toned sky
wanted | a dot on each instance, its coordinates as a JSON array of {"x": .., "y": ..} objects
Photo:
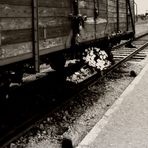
[{"x": 142, "y": 6}]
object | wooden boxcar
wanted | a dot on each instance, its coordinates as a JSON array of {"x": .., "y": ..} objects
[{"x": 32, "y": 30}]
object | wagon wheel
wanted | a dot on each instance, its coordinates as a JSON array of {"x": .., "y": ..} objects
[{"x": 57, "y": 62}]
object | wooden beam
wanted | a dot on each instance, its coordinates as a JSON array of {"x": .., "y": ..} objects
[
  {"x": 117, "y": 15},
  {"x": 127, "y": 21},
  {"x": 131, "y": 15},
  {"x": 36, "y": 36}
]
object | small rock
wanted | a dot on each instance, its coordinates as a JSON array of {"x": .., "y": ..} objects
[
  {"x": 41, "y": 126},
  {"x": 44, "y": 121},
  {"x": 108, "y": 105},
  {"x": 48, "y": 119},
  {"x": 67, "y": 143},
  {"x": 12, "y": 145},
  {"x": 66, "y": 113},
  {"x": 44, "y": 132},
  {"x": 133, "y": 73},
  {"x": 53, "y": 99}
]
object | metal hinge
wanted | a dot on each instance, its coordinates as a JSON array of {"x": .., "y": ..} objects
[{"x": 78, "y": 21}]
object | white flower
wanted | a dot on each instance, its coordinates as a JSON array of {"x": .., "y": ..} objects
[
  {"x": 84, "y": 58},
  {"x": 82, "y": 70},
  {"x": 91, "y": 53},
  {"x": 98, "y": 60},
  {"x": 97, "y": 49},
  {"x": 76, "y": 73},
  {"x": 74, "y": 77}
]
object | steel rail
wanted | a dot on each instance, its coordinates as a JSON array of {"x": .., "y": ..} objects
[
  {"x": 104, "y": 73},
  {"x": 136, "y": 38},
  {"x": 126, "y": 58}
]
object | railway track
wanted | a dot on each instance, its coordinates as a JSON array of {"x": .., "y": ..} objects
[
  {"x": 126, "y": 54},
  {"x": 120, "y": 56}
]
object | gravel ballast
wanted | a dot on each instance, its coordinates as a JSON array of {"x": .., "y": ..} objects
[{"x": 77, "y": 118}]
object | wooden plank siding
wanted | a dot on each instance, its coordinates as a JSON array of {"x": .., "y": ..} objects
[
  {"x": 93, "y": 29},
  {"x": 25, "y": 35},
  {"x": 45, "y": 3},
  {"x": 112, "y": 16},
  {"x": 16, "y": 26},
  {"x": 86, "y": 7},
  {"x": 54, "y": 23},
  {"x": 129, "y": 17},
  {"x": 122, "y": 16},
  {"x": 13, "y": 11}
]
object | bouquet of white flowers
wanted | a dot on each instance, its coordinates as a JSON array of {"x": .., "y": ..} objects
[{"x": 95, "y": 59}]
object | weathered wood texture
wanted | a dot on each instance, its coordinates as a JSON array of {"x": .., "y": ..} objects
[
  {"x": 112, "y": 15},
  {"x": 93, "y": 28},
  {"x": 42, "y": 3},
  {"x": 55, "y": 30},
  {"x": 16, "y": 26},
  {"x": 122, "y": 15},
  {"x": 87, "y": 8}
]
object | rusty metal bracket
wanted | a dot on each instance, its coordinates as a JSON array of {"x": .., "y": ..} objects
[{"x": 77, "y": 22}]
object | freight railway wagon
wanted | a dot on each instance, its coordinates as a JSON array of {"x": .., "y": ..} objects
[{"x": 33, "y": 32}]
